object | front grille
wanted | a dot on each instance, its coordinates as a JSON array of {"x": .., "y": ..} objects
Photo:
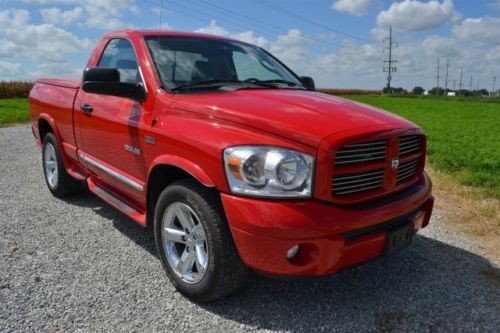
[
  {"x": 361, "y": 153},
  {"x": 359, "y": 182},
  {"x": 409, "y": 144},
  {"x": 407, "y": 170},
  {"x": 368, "y": 166}
]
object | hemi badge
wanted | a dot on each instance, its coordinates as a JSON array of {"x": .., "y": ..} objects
[{"x": 150, "y": 140}]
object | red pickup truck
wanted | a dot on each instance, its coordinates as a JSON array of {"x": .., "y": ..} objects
[{"x": 234, "y": 161}]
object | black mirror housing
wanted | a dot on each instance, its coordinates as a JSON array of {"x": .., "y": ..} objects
[
  {"x": 308, "y": 82},
  {"x": 106, "y": 81},
  {"x": 101, "y": 74}
]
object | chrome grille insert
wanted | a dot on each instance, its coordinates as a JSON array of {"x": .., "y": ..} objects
[
  {"x": 407, "y": 170},
  {"x": 409, "y": 144},
  {"x": 361, "y": 153},
  {"x": 358, "y": 182}
]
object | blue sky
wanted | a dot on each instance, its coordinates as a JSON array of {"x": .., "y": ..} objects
[{"x": 338, "y": 42}]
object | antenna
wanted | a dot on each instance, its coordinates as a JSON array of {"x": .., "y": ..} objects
[{"x": 161, "y": 14}]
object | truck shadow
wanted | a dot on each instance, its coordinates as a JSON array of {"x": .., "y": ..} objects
[{"x": 425, "y": 287}]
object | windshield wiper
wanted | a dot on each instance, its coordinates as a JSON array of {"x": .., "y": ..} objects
[
  {"x": 202, "y": 83},
  {"x": 289, "y": 83}
]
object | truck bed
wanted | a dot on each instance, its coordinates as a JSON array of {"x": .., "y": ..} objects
[{"x": 66, "y": 83}]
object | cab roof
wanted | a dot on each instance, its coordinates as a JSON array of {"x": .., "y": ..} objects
[{"x": 143, "y": 33}]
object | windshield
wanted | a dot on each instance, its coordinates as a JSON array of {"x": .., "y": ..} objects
[{"x": 189, "y": 61}]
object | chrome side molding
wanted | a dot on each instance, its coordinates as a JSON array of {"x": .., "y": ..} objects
[{"x": 127, "y": 181}]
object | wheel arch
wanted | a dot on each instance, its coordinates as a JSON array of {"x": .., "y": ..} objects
[
  {"x": 46, "y": 125},
  {"x": 166, "y": 170}
]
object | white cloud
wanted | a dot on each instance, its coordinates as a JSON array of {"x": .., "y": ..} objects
[
  {"x": 9, "y": 70},
  {"x": 41, "y": 44},
  {"x": 213, "y": 29},
  {"x": 437, "y": 46},
  {"x": 250, "y": 37},
  {"x": 57, "y": 16},
  {"x": 106, "y": 14},
  {"x": 354, "y": 7},
  {"x": 50, "y": 2},
  {"x": 483, "y": 30},
  {"x": 20, "y": 38},
  {"x": 99, "y": 14},
  {"x": 354, "y": 65},
  {"x": 413, "y": 15},
  {"x": 493, "y": 55},
  {"x": 57, "y": 69},
  {"x": 495, "y": 5}
]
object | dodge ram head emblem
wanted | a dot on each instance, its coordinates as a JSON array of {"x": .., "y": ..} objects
[{"x": 395, "y": 163}]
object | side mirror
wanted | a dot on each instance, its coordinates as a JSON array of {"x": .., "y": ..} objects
[
  {"x": 308, "y": 82},
  {"x": 106, "y": 81}
]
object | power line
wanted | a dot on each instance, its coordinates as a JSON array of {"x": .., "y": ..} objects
[
  {"x": 389, "y": 68},
  {"x": 197, "y": 14},
  {"x": 305, "y": 19},
  {"x": 230, "y": 12},
  {"x": 193, "y": 13},
  {"x": 254, "y": 21}
]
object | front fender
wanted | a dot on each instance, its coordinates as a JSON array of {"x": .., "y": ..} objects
[{"x": 182, "y": 163}]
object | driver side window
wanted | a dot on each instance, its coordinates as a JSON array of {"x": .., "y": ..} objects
[{"x": 120, "y": 54}]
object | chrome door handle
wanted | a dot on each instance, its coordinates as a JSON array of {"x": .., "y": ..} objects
[{"x": 86, "y": 108}]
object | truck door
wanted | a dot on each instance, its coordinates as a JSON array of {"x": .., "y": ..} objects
[{"x": 109, "y": 128}]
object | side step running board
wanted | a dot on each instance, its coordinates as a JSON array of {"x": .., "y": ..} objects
[{"x": 117, "y": 203}]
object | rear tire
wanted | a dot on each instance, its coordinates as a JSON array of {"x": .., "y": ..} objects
[
  {"x": 59, "y": 182},
  {"x": 195, "y": 244}
]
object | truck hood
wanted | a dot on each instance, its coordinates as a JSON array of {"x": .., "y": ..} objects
[{"x": 300, "y": 115}]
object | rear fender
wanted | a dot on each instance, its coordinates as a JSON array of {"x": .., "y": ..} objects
[{"x": 64, "y": 147}]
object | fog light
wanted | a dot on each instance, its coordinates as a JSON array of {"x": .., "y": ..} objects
[{"x": 292, "y": 252}]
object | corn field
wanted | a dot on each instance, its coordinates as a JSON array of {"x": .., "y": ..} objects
[
  {"x": 351, "y": 92},
  {"x": 12, "y": 89}
]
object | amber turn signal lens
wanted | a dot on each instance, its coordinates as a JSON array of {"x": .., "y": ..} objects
[{"x": 234, "y": 164}]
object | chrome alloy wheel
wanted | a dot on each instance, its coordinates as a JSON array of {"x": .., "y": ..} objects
[
  {"x": 185, "y": 242},
  {"x": 50, "y": 163}
]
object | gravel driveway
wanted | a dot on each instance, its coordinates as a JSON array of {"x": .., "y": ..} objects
[{"x": 79, "y": 265}]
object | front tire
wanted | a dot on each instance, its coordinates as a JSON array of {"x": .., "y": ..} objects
[
  {"x": 59, "y": 182},
  {"x": 195, "y": 244}
]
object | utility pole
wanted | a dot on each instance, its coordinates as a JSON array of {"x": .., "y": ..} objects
[
  {"x": 437, "y": 76},
  {"x": 460, "y": 84},
  {"x": 446, "y": 77},
  {"x": 389, "y": 68},
  {"x": 470, "y": 83},
  {"x": 494, "y": 82},
  {"x": 454, "y": 84}
]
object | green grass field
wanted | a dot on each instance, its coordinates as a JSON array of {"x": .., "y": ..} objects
[
  {"x": 463, "y": 135},
  {"x": 13, "y": 110}
]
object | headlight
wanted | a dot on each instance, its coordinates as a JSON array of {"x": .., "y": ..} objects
[{"x": 268, "y": 171}]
